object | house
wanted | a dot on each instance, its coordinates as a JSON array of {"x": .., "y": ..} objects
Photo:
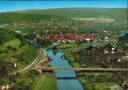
[{"x": 71, "y": 37}]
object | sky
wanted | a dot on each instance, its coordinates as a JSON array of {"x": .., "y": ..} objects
[{"x": 16, "y": 5}]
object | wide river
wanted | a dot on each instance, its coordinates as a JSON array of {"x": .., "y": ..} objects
[{"x": 66, "y": 79}]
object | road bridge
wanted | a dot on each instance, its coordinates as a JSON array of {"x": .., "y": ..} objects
[{"x": 51, "y": 69}]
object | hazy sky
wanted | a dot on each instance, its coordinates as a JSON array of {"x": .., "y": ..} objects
[{"x": 22, "y": 5}]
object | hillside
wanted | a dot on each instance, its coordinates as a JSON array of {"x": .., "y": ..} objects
[
  {"x": 6, "y": 36},
  {"x": 116, "y": 13},
  {"x": 37, "y": 14},
  {"x": 14, "y": 17},
  {"x": 87, "y": 20},
  {"x": 15, "y": 54}
]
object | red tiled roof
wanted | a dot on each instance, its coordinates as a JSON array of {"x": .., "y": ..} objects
[{"x": 66, "y": 37}]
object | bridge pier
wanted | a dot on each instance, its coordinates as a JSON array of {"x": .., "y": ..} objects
[{"x": 45, "y": 71}]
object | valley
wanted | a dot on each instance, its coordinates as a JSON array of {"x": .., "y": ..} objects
[{"x": 67, "y": 38}]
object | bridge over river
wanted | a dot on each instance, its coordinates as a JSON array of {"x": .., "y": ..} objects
[
  {"x": 65, "y": 74},
  {"x": 78, "y": 70}
]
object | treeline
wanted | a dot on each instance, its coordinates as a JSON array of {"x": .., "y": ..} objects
[{"x": 6, "y": 35}]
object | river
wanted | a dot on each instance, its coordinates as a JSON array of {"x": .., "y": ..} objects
[{"x": 66, "y": 79}]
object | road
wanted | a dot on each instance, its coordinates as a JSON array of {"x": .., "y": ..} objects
[{"x": 33, "y": 63}]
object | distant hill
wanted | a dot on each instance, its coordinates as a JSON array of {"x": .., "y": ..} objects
[
  {"x": 64, "y": 20},
  {"x": 16, "y": 17},
  {"x": 119, "y": 14},
  {"x": 116, "y": 13}
]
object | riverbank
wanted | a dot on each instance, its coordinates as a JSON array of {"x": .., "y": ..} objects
[
  {"x": 31, "y": 79},
  {"x": 94, "y": 81},
  {"x": 44, "y": 81},
  {"x": 91, "y": 81},
  {"x": 85, "y": 58}
]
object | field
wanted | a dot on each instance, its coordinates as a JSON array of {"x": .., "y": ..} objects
[
  {"x": 100, "y": 20},
  {"x": 32, "y": 80},
  {"x": 100, "y": 81},
  {"x": 45, "y": 82}
]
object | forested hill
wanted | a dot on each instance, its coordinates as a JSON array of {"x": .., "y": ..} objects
[
  {"x": 119, "y": 14},
  {"x": 6, "y": 35},
  {"x": 115, "y": 13},
  {"x": 15, "y": 17},
  {"x": 65, "y": 19}
]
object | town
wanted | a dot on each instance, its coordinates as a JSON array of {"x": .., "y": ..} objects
[
  {"x": 71, "y": 38},
  {"x": 63, "y": 45}
]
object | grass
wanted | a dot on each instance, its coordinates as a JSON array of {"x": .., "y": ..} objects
[
  {"x": 45, "y": 82},
  {"x": 104, "y": 86},
  {"x": 107, "y": 86},
  {"x": 101, "y": 20},
  {"x": 83, "y": 44},
  {"x": 93, "y": 81},
  {"x": 33, "y": 80},
  {"x": 69, "y": 56},
  {"x": 67, "y": 45},
  {"x": 6, "y": 52},
  {"x": 13, "y": 43}
]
